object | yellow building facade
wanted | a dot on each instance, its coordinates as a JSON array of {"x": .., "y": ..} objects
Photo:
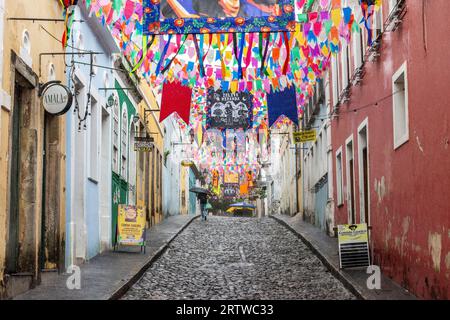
[
  {"x": 32, "y": 146},
  {"x": 150, "y": 164}
]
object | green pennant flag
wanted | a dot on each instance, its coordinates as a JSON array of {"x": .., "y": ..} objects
[
  {"x": 302, "y": 17},
  {"x": 328, "y": 25},
  {"x": 117, "y": 5}
]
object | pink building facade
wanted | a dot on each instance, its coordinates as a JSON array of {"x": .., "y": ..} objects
[{"x": 390, "y": 132}]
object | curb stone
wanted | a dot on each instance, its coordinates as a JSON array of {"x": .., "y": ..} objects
[
  {"x": 349, "y": 284},
  {"x": 120, "y": 292}
]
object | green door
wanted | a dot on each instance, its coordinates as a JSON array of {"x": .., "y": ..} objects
[{"x": 119, "y": 196}]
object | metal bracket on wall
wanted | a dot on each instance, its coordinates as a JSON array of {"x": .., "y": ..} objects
[
  {"x": 41, "y": 20},
  {"x": 148, "y": 111},
  {"x": 43, "y": 86},
  {"x": 115, "y": 89},
  {"x": 61, "y": 54}
]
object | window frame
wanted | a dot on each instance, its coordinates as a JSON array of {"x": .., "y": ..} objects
[
  {"x": 124, "y": 141},
  {"x": 94, "y": 160},
  {"x": 363, "y": 126},
  {"x": 116, "y": 141},
  {"x": 339, "y": 178},
  {"x": 348, "y": 190},
  {"x": 400, "y": 140},
  {"x": 335, "y": 79}
]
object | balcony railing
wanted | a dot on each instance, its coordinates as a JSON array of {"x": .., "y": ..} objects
[{"x": 396, "y": 16}]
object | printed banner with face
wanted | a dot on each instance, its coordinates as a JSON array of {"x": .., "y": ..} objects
[
  {"x": 216, "y": 16},
  {"x": 230, "y": 190},
  {"x": 131, "y": 226},
  {"x": 227, "y": 110}
]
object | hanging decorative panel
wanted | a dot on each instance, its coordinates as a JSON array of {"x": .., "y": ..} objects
[{"x": 218, "y": 16}]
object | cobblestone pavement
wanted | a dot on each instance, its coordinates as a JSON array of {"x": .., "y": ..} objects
[{"x": 238, "y": 258}]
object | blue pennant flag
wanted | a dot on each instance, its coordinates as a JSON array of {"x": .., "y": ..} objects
[{"x": 282, "y": 103}]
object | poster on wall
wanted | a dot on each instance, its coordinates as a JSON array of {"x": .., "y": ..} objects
[
  {"x": 227, "y": 110},
  {"x": 131, "y": 226},
  {"x": 217, "y": 16}
]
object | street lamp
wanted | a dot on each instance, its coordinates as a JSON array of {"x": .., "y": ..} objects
[{"x": 112, "y": 100}]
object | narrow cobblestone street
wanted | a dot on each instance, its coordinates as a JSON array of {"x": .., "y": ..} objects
[{"x": 238, "y": 258}]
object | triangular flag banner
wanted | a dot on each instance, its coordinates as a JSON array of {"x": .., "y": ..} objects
[
  {"x": 282, "y": 103},
  {"x": 176, "y": 98}
]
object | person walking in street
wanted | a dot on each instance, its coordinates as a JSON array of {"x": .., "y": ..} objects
[{"x": 203, "y": 198}]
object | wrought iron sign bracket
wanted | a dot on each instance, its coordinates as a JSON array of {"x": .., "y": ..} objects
[
  {"x": 60, "y": 54},
  {"x": 148, "y": 111},
  {"x": 41, "y": 20},
  {"x": 43, "y": 86}
]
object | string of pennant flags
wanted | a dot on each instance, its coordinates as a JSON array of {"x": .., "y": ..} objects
[
  {"x": 236, "y": 61},
  {"x": 272, "y": 66}
]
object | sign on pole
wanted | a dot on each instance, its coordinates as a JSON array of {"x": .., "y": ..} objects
[
  {"x": 305, "y": 136},
  {"x": 131, "y": 226},
  {"x": 353, "y": 245}
]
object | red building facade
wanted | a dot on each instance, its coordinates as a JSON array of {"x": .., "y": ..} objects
[{"x": 391, "y": 142}]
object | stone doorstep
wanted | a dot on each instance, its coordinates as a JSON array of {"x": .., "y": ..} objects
[
  {"x": 17, "y": 284},
  {"x": 353, "y": 279}
]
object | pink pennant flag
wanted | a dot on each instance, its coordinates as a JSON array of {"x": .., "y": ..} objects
[
  {"x": 324, "y": 4},
  {"x": 129, "y": 9}
]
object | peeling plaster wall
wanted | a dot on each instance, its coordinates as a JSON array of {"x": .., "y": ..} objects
[{"x": 409, "y": 197}]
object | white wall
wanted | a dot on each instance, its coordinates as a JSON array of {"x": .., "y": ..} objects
[
  {"x": 283, "y": 170},
  {"x": 172, "y": 170},
  {"x": 105, "y": 180}
]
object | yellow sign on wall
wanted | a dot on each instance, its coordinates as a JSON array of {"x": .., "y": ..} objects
[
  {"x": 305, "y": 136},
  {"x": 131, "y": 226}
]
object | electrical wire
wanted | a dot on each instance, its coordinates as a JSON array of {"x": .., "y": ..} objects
[
  {"x": 373, "y": 104},
  {"x": 69, "y": 46}
]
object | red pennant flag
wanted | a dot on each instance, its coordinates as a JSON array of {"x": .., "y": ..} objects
[{"x": 176, "y": 98}]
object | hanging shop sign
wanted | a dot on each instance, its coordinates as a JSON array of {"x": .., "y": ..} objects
[
  {"x": 131, "y": 226},
  {"x": 56, "y": 98},
  {"x": 353, "y": 245},
  {"x": 305, "y": 136},
  {"x": 214, "y": 16},
  {"x": 227, "y": 110},
  {"x": 143, "y": 144}
]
